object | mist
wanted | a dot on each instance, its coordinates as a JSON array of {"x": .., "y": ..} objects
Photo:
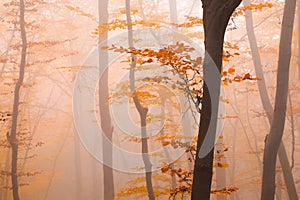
[{"x": 104, "y": 100}]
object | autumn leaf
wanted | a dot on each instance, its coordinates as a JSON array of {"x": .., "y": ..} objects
[
  {"x": 224, "y": 73},
  {"x": 220, "y": 165},
  {"x": 104, "y": 47},
  {"x": 231, "y": 70},
  {"x": 165, "y": 169},
  {"x": 166, "y": 143}
]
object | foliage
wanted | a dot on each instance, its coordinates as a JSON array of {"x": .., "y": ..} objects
[
  {"x": 252, "y": 6},
  {"x": 225, "y": 191},
  {"x": 178, "y": 57},
  {"x": 43, "y": 50},
  {"x": 46, "y": 51},
  {"x": 191, "y": 21}
]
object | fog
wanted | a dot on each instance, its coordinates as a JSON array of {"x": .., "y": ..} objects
[{"x": 102, "y": 100}]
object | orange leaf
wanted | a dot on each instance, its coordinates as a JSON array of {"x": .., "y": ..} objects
[
  {"x": 165, "y": 143},
  {"x": 231, "y": 70}
]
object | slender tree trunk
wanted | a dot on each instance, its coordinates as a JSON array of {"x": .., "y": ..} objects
[
  {"x": 292, "y": 130},
  {"x": 106, "y": 124},
  {"x": 173, "y": 11},
  {"x": 173, "y": 20},
  {"x": 55, "y": 162},
  {"x": 2, "y": 184},
  {"x": 257, "y": 62},
  {"x": 141, "y": 110},
  {"x": 77, "y": 145},
  {"x": 216, "y": 14},
  {"x": 287, "y": 173},
  {"x": 96, "y": 180},
  {"x": 221, "y": 172},
  {"x": 233, "y": 151},
  {"x": 6, "y": 180},
  {"x": 12, "y": 136},
  {"x": 166, "y": 152},
  {"x": 298, "y": 9},
  {"x": 78, "y": 174},
  {"x": 274, "y": 138},
  {"x": 233, "y": 163}
]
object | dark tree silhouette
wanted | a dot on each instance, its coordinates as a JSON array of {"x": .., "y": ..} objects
[
  {"x": 273, "y": 140},
  {"x": 12, "y": 136},
  {"x": 266, "y": 103},
  {"x": 216, "y": 15}
]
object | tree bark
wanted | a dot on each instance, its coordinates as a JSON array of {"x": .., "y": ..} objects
[
  {"x": 273, "y": 140},
  {"x": 106, "y": 124},
  {"x": 12, "y": 136},
  {"x": 287, "y": 173},
  {"x": 141, "y": 110},
  {"x": 216, "y": 14}
]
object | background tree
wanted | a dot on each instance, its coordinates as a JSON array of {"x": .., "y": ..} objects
[
  {"x": 106, "y": 125},
  {"x": 45, "y": 102},
  {"x": 140, "y": 108},
  {"x": 12, "y": 135},
  {"x": 273, "y": 140},
  {"x": 262, "y": 88}
]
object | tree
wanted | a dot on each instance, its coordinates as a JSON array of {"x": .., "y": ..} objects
[
  {"x": 282, "y": 155},
  {"x": 173, "y": 11},
  {"x": 273, "y": 140},
  {"x": 12, "y": 135},
  {"x": 216, "y": 15},
  {"x": 106, "y": 124},
  {"x": 140, "y": 108},
  {"x": 220, "y": 172},
  {"x": 134, "y": 51}
]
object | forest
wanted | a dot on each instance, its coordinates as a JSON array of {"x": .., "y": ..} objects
[{"x": 149, "y": 99}]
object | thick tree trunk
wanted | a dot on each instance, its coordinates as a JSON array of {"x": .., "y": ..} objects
[
  {"x": 12, "y": 136},
  {"x": 287, "y": 173},
  {"x": 216, "y": 14},
  {"x": 141, "y": 110},
  {"x": 106, "y": 124},
  {"x": 273, "y": 140}
]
